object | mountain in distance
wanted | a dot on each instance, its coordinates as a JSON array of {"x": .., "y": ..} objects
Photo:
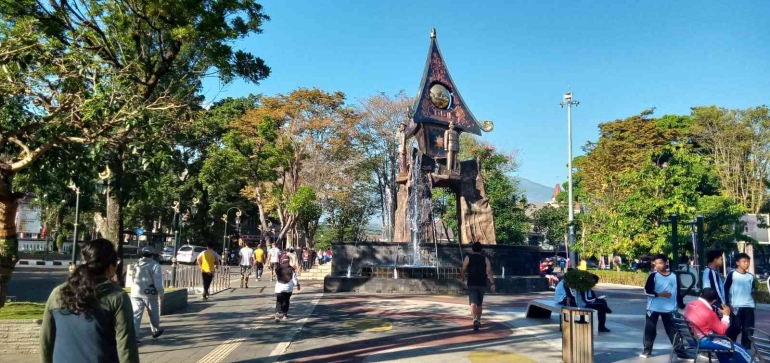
[{"x": 535, "y": 192}]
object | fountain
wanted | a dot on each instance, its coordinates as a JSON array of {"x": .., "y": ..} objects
[{"x": 412, "y": 259}]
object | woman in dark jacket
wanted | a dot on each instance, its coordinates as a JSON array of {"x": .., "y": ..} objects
[{"x": 89, "y": 319}]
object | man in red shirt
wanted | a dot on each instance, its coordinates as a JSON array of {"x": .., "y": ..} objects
[{"x": 701, "y": 315}]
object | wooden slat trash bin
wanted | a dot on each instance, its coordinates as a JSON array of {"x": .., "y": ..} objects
[{"x": 577, "y": 338}]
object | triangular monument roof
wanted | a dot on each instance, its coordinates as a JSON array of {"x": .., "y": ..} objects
[{"x": 425, "y": 109}]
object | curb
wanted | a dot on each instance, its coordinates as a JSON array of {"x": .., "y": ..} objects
[{"x": 41, "y": 263}]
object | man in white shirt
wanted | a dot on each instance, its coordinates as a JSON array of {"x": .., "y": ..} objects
[
  {"x": 246, "y": 256},
  {"x": 274, "y": 255}
]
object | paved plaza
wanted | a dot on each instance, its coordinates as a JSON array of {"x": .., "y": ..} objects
[{"x": 236, "y": 326}]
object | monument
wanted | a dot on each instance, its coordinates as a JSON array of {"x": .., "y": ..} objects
[
  {"x": 437, "y": 117},
  {"x": 429, "y": 149}
]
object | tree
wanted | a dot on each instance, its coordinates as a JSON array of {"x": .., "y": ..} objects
[
  {"x": 315, "y": 146},
  {"x": 113, "y": 75},
  {"x": 552, "y": 223},
  {"x": 739, "y": 143},
  {"x": 375, "y": 138},
  {"x": 308, "y": 211}
]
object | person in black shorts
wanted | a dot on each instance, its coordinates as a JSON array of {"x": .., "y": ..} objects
[{"x": 479, "y": 270}]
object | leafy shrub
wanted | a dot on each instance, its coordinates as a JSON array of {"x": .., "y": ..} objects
[
  {"x": 621, "y": 278},
  {"x": 579, "y": 280},
  {"x": 60, "y": 241}
]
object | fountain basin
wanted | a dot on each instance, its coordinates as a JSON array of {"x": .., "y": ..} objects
[{"x": 380, "y": 285}]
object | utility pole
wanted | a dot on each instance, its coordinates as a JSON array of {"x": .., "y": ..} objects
[{"x": 569, "y": 102}]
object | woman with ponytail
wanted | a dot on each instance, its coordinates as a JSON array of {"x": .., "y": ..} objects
[{"x": 89, "y": 318}]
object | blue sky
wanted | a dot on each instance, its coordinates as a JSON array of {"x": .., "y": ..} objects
[{"x": 513, "y": 60}]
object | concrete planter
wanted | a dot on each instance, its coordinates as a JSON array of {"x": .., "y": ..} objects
[
  {"x": 20, "y": 336},
  {"x": 173, "y": 301}
]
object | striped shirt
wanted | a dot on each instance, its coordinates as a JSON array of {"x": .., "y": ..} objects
[
  {"x": 739, "y": 288},
  {"x": 713, "y": 280}
]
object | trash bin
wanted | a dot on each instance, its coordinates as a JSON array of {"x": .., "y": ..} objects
[{"x": 577, "y": 343}]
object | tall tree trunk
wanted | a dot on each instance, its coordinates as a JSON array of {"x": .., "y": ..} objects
[
  {"x": 114, "y": 231},
  {"x": 9, "y": 244}
]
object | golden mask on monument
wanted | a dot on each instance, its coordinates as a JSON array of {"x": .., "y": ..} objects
[{"x": 440, "y": 96}]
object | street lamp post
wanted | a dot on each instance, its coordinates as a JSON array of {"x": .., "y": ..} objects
[
  {"x": 75, "y": 235},
  {"x": 178, "y": 231},
  {"x": 224, "y": 237},
  {"x": 569, "y": 102}
]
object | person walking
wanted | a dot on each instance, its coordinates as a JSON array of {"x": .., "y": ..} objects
[
  {"x": 305, "y": 259},
  {"x": 246, "y": 261},
  {"x": 293, "y": 259},
  {"x": 286, "y": 280},
  {"x": 208, "y": 261},
  {"x": 274, "y": 255},
  {"x": 259, "y": 261},
  {"x": 663, "y": 298},
  {"x": 739, "y": 289},
  {"x": 147, "y": 291},
  {"x": 562, "y": 264},
  {"x": 89, "y": 319},
  {"x": 712, "y": 278},
  {"x": 478, "y": 270},
  {"x": 701, "y": 316}
]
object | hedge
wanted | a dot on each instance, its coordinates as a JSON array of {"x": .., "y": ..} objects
[{"x": 638, "y": 279}]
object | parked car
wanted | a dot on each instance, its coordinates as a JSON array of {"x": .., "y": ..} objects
[
  {"x": 166, "y": 255},
  {"x": 189, "y": 254}
]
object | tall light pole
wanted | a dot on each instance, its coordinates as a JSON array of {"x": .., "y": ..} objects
[
  {"x": 569, "y": 102},
  {"x": 75, "y": 235},
  {"x": 177, "y": 231},
  {"x": 224, "y": 237}
]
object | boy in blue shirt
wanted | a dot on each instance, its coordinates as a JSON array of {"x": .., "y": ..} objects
[
  {"x": 739, "y": 287},
  {"x": 663, "y": 299}
]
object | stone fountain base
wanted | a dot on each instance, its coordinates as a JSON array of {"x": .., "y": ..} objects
[
  {"x": 380, "y": 285},
  {"x": 373, "y": 266}
]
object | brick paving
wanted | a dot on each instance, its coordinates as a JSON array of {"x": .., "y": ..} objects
[{"x": 236, "y": 326}]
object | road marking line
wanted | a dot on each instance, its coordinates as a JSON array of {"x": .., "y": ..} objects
[
  {"x": 283, "y": 346},
  {"x": 223, "y": 350}
]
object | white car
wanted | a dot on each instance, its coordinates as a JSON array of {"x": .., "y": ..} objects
[
  {"x": 189, "y": 254},
  {"x": 166, "y": 255}
]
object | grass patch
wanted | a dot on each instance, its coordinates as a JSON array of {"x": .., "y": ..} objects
[{"x": 22, "y": 310}]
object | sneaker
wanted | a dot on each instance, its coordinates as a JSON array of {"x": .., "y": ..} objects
[
  {"x": 277, "y": 317},
  {"x": 476, "y": 325},
  {"x": 205, "y": 297},
  {"x": 645, "y": 354},
  {"x": 285, "y": 317},
  {"x": 604, "y": 330},
  {"x": 157, "y": 333}
]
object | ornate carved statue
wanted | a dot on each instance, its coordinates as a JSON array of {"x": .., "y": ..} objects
[
  {"x": 403, "y": 166},
  {"x": 452, "y": 146}
]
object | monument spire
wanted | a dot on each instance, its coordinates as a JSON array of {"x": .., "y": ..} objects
[{"x": 438, "y": 100}]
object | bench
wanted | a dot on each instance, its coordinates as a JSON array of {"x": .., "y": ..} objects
[{"x": 542, "y": 309}]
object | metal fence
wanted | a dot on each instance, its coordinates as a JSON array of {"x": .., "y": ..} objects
[{"x": 190, "y": 277}]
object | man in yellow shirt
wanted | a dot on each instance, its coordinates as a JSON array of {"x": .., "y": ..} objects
[
  {"x": 259, "y": 260},
  {"x": 583, "y": 264},
  {"x": 208, "y": 261}
]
